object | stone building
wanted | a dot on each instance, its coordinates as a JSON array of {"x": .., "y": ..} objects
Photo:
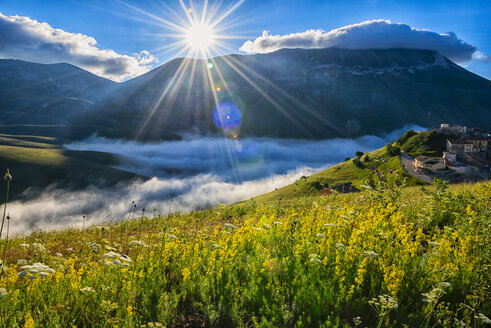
[{"x": 428, "y": 163}]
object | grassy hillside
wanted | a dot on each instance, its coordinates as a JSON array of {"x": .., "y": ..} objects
[
  {"x": 399, "y": 257},
  {"x": 359, "y": 171},
  {"x": 365, "y": 169},
  {"x": 37, "y": 162},
  {"x": 429, "y": 143}
]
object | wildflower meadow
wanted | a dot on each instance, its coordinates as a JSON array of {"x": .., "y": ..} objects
[{"x": 418, "y": 257}]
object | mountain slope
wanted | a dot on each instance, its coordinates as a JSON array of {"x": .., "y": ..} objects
[
  {"x": 296, "y": 93},
  {"x": 290, "y": 93},
  {"x": 47, "y": 94}
]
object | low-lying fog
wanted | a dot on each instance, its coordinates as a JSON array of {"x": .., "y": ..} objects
[{"x": 200, "y": 172}]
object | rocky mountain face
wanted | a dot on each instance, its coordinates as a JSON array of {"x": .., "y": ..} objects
[{"x": 291, "y": 93}]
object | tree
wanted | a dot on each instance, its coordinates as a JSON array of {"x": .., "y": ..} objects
[
  {"x": 402, "y": 140},
  {"x": 393, "y": 150},
  {"x": 359, "y": 153}
]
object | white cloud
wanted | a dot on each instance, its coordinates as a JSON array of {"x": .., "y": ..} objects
[
  {"x": 373, "y": 34},
  {"x": 480, "y": 56},
  {"x": 27, "y": 39}
]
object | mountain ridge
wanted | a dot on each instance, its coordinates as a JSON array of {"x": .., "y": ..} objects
[{"x": 290, "y": 93}]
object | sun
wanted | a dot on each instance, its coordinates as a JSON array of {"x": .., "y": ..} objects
[{"x": 200, "y": 36}]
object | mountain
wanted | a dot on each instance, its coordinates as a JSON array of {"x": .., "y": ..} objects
[
  {"x": 36, "y": 97},
  {"x": 294, "y": 93},
  {"x": 290, "y": 93}
]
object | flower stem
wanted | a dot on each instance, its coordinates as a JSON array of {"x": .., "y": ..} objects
[{"x": 5, "y": 208}]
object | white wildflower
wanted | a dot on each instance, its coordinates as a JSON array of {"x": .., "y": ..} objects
[
  {"x": 36, "y": 270},
  {"x": 315, "y": 258},
  {"x": 24, "y": 245},
  {"x": 230, "y": 226},
  {"x": 38, "y": 248},
  {"x": 115, "y": 259},
  {"x": 371, "y": 254},
  {"x": 138, "y": 243},
  {"x": 111, "y": 255},
  {"x": 483, "y": 318},
  {"x": 445, "y": 284},
  {"x": 458, "y": 323},
  {"x": 21, "y": 262},
  {"x": 3, "y": 292},
  {"x": 94, "y": 247},
  {"x": 320, "y": 235},
  {"x": 87, "y": 290},
  {"x": 433, "y": 296},
  {"x": 215, "y": 246},
  {"x": 384, "y": 302}
]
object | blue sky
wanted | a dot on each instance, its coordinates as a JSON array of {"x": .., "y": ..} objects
[{"x": 121, "y": 29}]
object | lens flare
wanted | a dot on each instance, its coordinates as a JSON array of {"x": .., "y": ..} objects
[{"x": 227, "y": 115}]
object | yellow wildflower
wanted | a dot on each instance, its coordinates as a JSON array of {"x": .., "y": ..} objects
[
  {"x": 129, "y": 310},
  {"x": 29, "y": 321},
  {"x": 186, "y": 273}
]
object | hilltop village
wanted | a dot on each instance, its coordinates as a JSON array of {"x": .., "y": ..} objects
[{"x": 467, "y": 156}]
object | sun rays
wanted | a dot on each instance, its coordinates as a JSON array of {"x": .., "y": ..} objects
[
  {"x": 200, "y": 81},
  {"x": 200, "y": 37}
]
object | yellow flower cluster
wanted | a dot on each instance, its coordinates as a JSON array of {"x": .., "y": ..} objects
[{"x": 301, "y": 263}]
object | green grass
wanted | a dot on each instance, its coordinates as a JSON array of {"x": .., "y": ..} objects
[
  {"x": 342, "y": 173},
  {"x": 429, "y": 143},
  {"x": 312, "y": 261},
  {"x": 37, "y": 162}
]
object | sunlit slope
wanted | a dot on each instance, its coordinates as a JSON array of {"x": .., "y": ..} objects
[
  {"x": 303, "y": 262},
  {"x": 38, "y": 162},
  {"x": 357, "y": 171}
]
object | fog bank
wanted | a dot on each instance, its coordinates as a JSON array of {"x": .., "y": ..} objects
[{"x": 200, "y": 172}]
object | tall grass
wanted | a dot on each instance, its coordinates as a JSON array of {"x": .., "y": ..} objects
[{"x": 415, "y": 258}]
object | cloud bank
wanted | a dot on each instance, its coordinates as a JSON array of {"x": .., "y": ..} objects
[
  {"x": 199, "y": 172},
  {"x": 372, "y": 34},
  {"x": 27, "y": 39}
]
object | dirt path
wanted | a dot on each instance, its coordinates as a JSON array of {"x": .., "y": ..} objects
[{"x": 407, "y": 163}]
